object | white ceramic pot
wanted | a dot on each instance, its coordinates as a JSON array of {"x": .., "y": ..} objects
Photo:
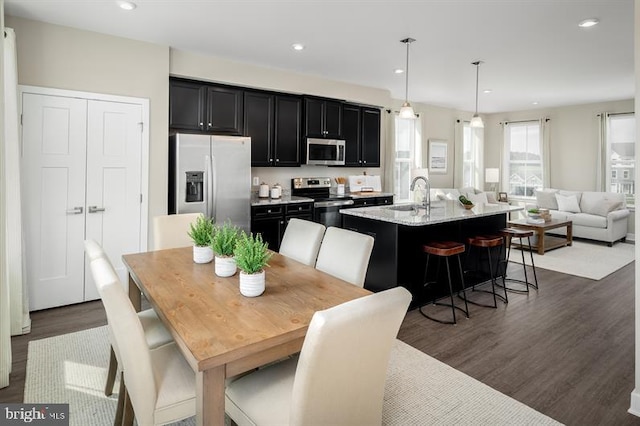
[
  {"x": 252, "y": 285},
  {"x": 225, "y": 266},
  {"x": 202, "y": 254}
]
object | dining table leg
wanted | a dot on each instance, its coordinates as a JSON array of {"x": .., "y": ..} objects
[
  {"x": 134, "y": 295},
  {"x": 210, "y": 397}
]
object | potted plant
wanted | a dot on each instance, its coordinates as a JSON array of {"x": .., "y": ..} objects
[
  {"x": 252, "y": 255},
  {"x": 201, "y": 232},
  {"x": 223, "y": 242}
]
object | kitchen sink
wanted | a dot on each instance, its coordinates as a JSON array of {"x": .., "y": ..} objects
[{"x": 404, "y": 207}]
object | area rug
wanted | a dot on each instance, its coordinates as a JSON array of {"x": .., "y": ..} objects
[
  {"x": 582, "y": 259},
  {"x": 420, "y": 390}
]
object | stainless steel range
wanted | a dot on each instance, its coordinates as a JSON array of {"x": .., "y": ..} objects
[{"x": 326, "y": 205}]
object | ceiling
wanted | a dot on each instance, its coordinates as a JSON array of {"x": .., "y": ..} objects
[{"x": 533, "y": 50}]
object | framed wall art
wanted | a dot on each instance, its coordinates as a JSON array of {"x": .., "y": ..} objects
[{"x": 437, "y": 156}]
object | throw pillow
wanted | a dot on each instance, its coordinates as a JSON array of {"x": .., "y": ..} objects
[
  {"x": 468, "y": 190},
  {"x": 546, "y": 199},
  {"x": 478, "y": 198},
  {"x": 568, "y": 203},
  {"x": 606, "y": 207},
  {"x": 491, "y": 198},
  {"x": 451, "y": 196}
]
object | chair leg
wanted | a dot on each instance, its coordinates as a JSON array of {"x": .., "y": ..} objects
[
  {"x": 524, "y": 265},
  {"x": 128, "y": 414},
  {"x": 120, "y": 410},
  {"x": 464, "y": 292},
  {"x": 111, "y": 374},
  {"x": 533, "y": 266}
]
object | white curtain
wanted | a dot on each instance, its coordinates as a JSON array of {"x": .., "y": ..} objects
[
  {"x": 602, "y": 152},
  {"x": 14, "y": 311}
]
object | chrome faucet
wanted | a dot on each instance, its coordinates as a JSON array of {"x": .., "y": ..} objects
[{"x": 426, "y": 203}]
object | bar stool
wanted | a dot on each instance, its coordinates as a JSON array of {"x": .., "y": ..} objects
[
  {"x": 488, "y": 242},
  {"x": 509, "y": 234},
  {"x": 444, "y": 250}
]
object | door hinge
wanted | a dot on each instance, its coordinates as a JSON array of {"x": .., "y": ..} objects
[
  {"x": 21, "y": 115},
  {"x": 140, "y": 198}
]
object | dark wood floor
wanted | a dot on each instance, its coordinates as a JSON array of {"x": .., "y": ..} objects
[{"x": 566, "y": 350}]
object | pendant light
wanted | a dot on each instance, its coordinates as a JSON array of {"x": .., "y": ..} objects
[
  {"x": 406, "y": 111},
  {"x": 476, "y": 121}
]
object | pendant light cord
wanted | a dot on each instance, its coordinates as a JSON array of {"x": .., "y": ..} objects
[
  {"x": 406, "y": 81},
  {"x": 477, "y": 80}
]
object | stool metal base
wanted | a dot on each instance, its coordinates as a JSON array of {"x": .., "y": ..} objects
[
  {"x": 494, "y": 283},
  {"x": 451, "y": 305},
  {"x": 524, "y": 282}
]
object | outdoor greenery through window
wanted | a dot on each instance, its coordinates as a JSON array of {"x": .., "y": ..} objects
[
  {"x": 407, "y": 152},
  {"x": 621, "y": 155},
  {"x": 523, "y": 169}
]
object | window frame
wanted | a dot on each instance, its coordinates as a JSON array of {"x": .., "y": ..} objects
[{"x": 507, "y": 173}]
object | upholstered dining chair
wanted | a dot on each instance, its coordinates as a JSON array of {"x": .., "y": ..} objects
[
  {"x": 158, "y": 385},
  {"x": 170, "y": 231},
  {"x": 339, "y": 377},
  {"x": 301, "y": 241},
  {"x": 155, "y": 333},
  {"x": 345, "y": 254}
]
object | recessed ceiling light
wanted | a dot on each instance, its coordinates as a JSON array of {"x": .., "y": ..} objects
[
  {"x": 297, "y": 46},
  {"x": 534, "y": 103},
  {"x": 126, "y": 5},
  {"x": 588, "y": 23},
  {"x": 398, "y": 71},
  {"x": 486, "y": 91}
]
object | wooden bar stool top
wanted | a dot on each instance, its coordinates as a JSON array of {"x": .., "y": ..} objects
[
  {"x": 443, "y": 248},
  {"x": 515, "y": 233},
  {"x": 485, "y": 241}
]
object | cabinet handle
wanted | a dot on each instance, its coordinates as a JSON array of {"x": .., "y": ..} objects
[
  {"x": 95, "y": 209},
  {"x": 365, "y": 161},
  {"x": 75, "y": 210},
  {"x": 209, "y": 124},
  {"x": 201, "y": 124},
  {"x": 277, "y": 160},
  {"x": 360, "y": 161},
  {"x": 269, "y": 211}
]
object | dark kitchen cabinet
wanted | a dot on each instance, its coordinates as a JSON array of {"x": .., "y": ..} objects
[
  {"x": 361, "y": 132},
  {"x": 323, "y": 118},
  {"x": 271, "y": 220},
  {"x": 373, "y": 201},
  {"x": 274, "y": 124},
  {"x": 370, "y": 144},
  {"x": 201, "y": 107}
]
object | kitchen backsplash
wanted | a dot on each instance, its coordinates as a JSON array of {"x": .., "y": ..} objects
[{"x": 283, "y": 175}]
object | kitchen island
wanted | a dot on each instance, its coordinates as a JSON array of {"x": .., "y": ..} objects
[{"x": 400, "y": 230}]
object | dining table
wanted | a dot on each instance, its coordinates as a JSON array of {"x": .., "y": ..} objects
[{"x": 222, "y": 333}]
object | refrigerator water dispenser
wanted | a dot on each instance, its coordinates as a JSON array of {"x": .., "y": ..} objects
[{"x": 194, "y": 191}]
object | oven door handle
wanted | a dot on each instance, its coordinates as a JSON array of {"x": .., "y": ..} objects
[{"x": 324, "y": 204}]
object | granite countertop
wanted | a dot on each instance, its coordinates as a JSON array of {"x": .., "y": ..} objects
[
  {"x": 441, "y": 212},
  {"x": 285, "y": 199}
]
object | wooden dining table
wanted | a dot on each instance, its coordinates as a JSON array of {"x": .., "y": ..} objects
[{"x": 222, "y": 333}]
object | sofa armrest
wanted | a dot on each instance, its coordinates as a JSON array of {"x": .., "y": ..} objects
[{"x": 617, "y": 215}]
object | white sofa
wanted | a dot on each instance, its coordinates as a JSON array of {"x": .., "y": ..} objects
[
  {"x": 474, "y": 195},
  {"x": 600, "y": 216}
]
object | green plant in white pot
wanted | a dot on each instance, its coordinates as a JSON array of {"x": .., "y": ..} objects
[
  {"x": 201, "y": 232},
  {"x": 223, "y": 243},
  {"x": 252, "y": 255}
]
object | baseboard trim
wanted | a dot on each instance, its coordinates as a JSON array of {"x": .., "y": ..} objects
[
  {"x": 631, "y": 237},
  {"x": 635, "y": 403}
]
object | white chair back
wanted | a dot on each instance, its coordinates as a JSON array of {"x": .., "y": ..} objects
[
  {"x": 131, "y": 344},
  {"x": 171, "y": 231},
  {"x": 301, "y": 241},
  {"x": 341, "y": 372},
  {"x": 345, "y": 254},
  {"x": 93, "y": 249}
]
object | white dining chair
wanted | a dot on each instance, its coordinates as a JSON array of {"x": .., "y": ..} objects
[
  {"x": 158, "y": 384},
  {"x": 339, "y": 377},
  {"x": 345, "y": 254},
  {"x": 171, "y": 231},
  {"x": 155, "y": 333},
  {"x": 301, "y": 240}
]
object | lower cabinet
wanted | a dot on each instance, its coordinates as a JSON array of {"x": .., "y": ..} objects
[
  {"x": 373, "y": 201},
  {"x": 271, "y": 220}
]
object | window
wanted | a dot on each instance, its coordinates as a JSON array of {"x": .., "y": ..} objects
[
  {"x": 408, "y": 155},
  {"x": 523, "y": 169},
  {"x": 471, "y": 160},
  {"x": 621, "y": 154}
]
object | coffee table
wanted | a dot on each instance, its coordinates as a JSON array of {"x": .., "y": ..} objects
[{"x": 543, "y": 242}]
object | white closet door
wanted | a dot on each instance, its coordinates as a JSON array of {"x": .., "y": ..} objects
[
  {"x": 114, "y": 157},
  {"x": 53, "y": 177}
]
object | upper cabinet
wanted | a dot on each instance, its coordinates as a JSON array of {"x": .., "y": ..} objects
[
  {"x": 361, "y": 132},
  {"x": 201, "y": 107},
  {"x": 274, "y": 123},
  {"x": 323, "y": 118}
]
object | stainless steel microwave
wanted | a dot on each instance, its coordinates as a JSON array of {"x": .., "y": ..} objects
[{"x": 325, "y": 152}]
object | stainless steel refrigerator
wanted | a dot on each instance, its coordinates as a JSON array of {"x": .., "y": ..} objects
[{"x": 211, "y": 175}]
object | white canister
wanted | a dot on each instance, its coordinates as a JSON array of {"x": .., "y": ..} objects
[
  {"x": 340, "y": 189},
  {"x": 275, "y": 191},
  {"x": 263, "y": 192}
]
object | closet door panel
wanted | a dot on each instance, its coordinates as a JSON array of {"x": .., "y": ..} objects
[
  {"x": 114, "y": 155},
  {"x": 53, "y": 176}
]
